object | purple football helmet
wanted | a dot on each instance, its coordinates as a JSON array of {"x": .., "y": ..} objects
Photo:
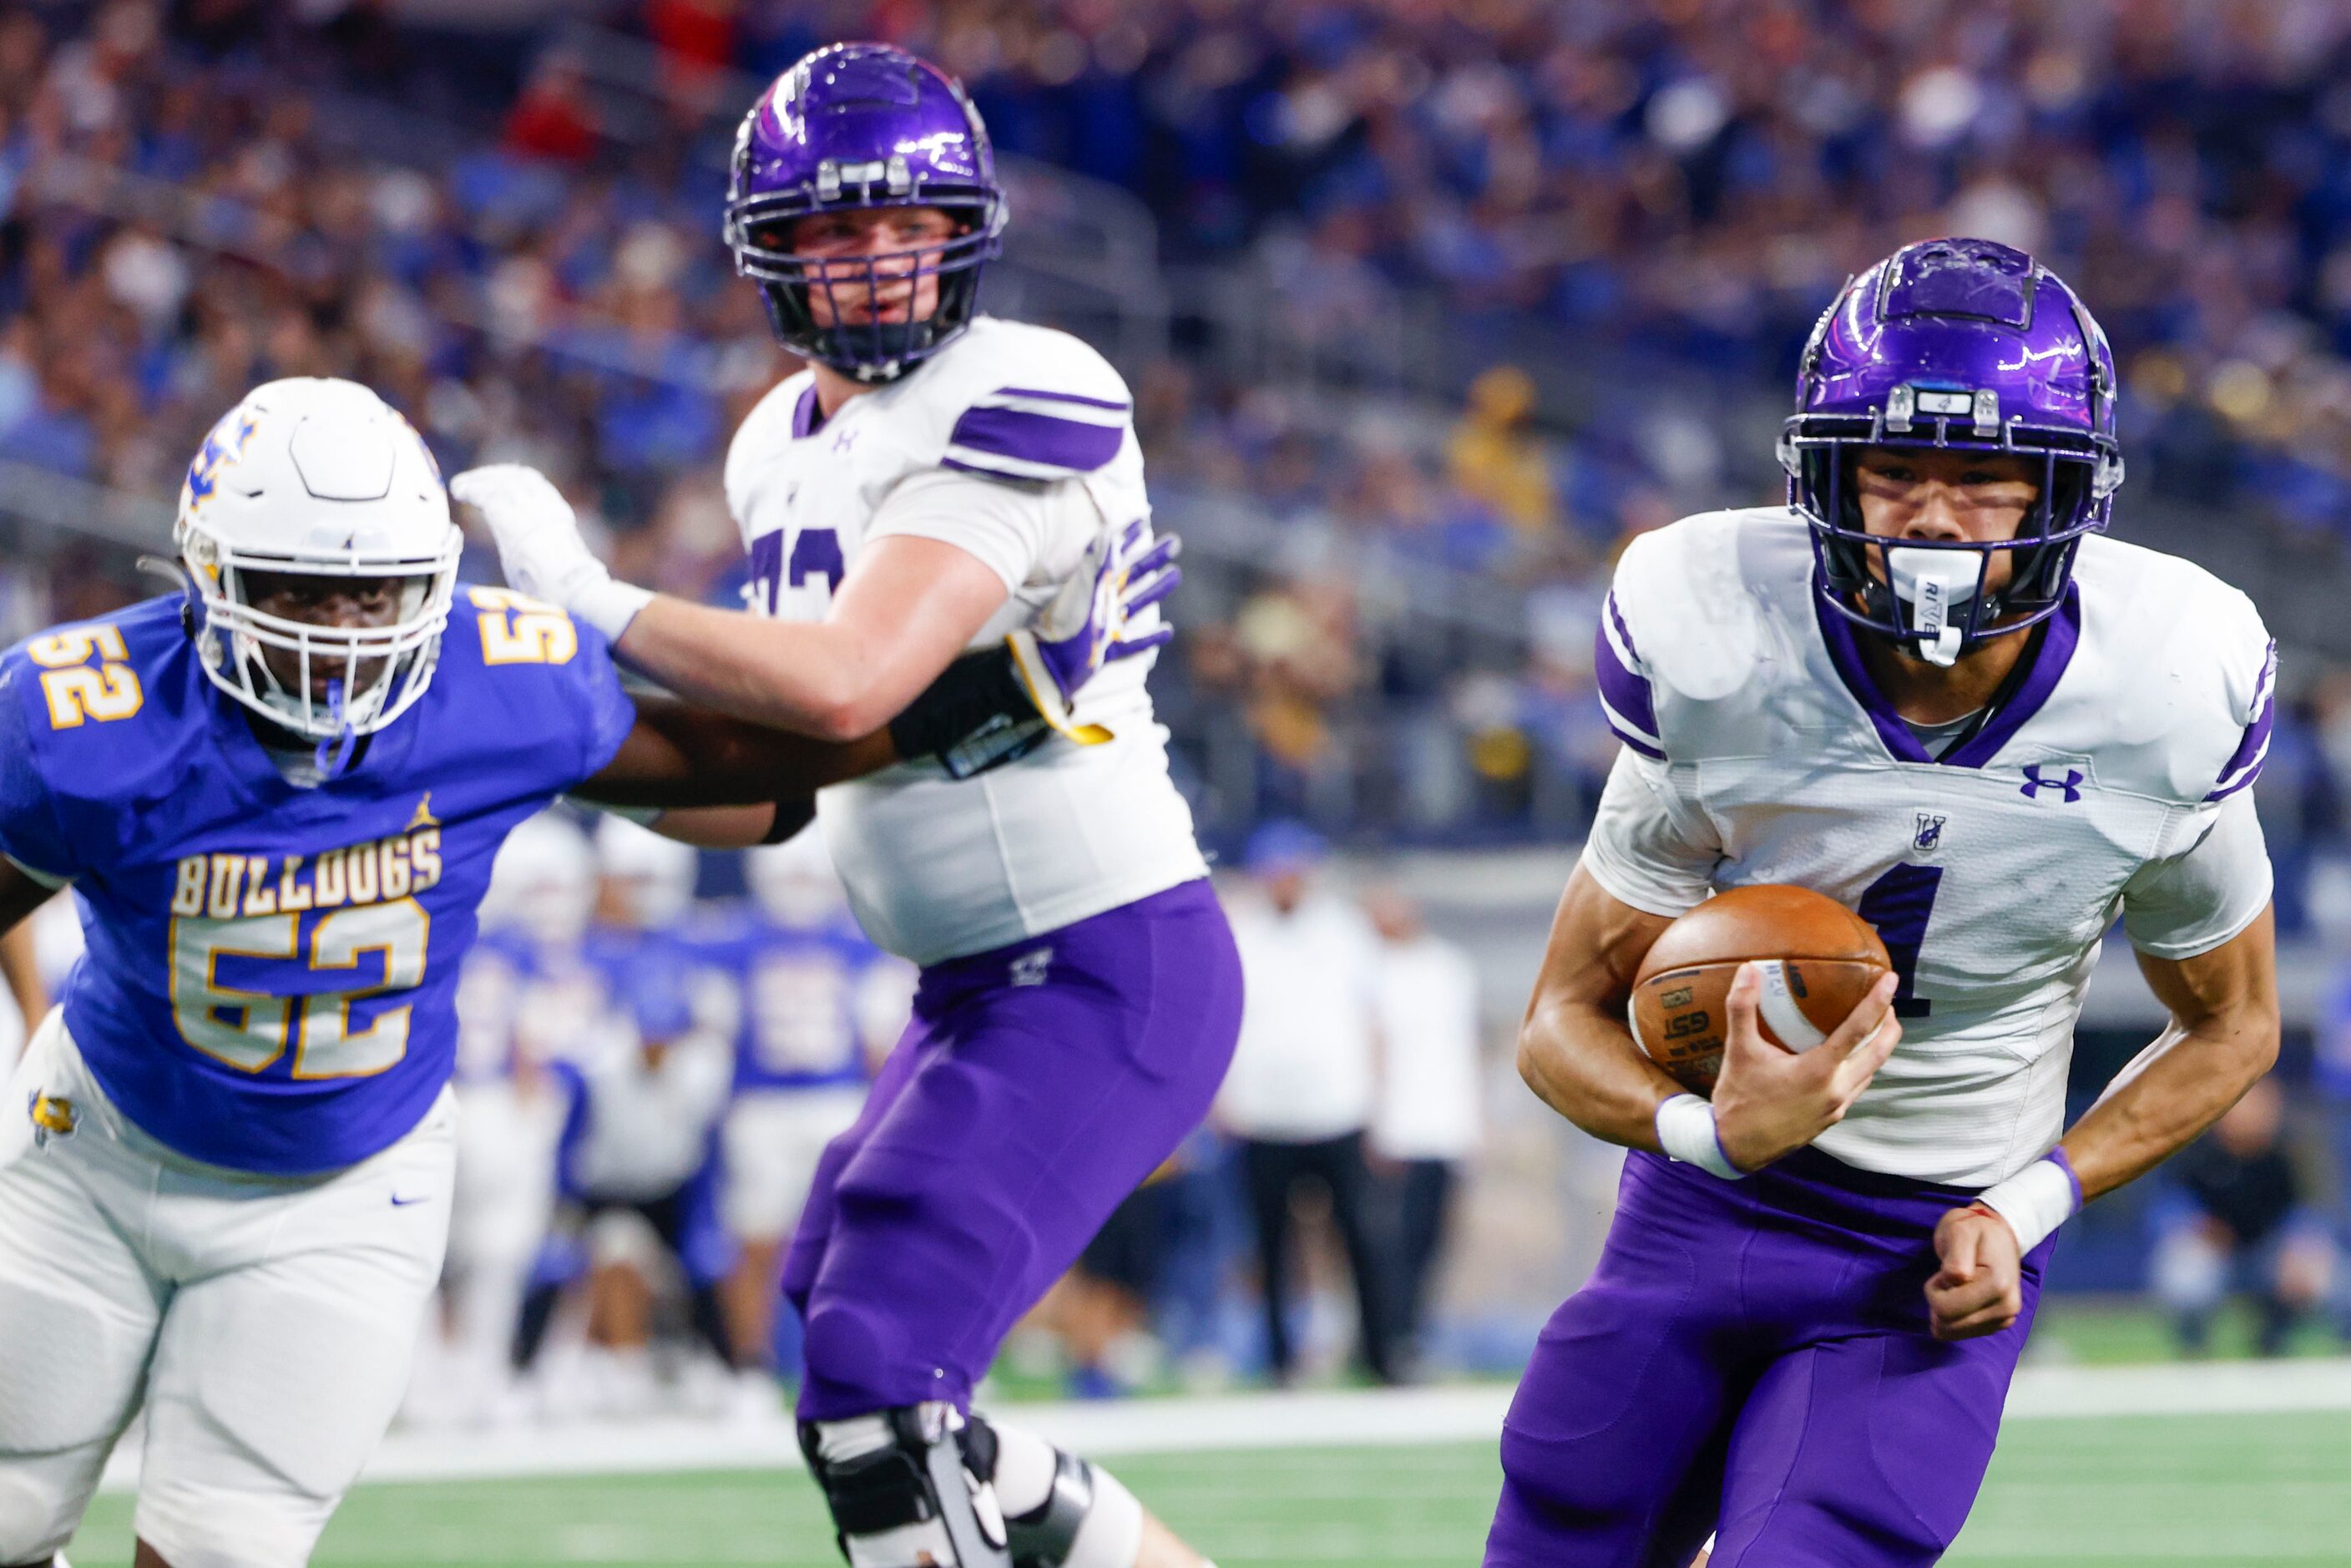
[
  {"x": 854, "y": 126},
  {"x": 1970, "y": 345}
]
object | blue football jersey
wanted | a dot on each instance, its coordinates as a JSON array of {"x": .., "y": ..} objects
[
  {"x": 648, "y": 977},
  {"x": 271, "y": 970},
  {"x": 798, "y": 988}
]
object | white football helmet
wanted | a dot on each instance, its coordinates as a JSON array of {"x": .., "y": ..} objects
[
  {"x": 653, "y": 877},
  {"x": 795, "y": 881},
  {"x": 543, "y": 882},
  {"x": 323, "y": 478}
]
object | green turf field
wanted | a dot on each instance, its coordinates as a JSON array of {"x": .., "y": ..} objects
[{"x": 2243, "y": 1490}]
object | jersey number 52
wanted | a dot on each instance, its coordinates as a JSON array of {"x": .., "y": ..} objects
[{"x": 249, "y": 1025}]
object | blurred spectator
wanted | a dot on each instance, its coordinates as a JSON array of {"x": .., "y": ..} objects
[
  {"x": 1495, "y": 456},
  {"x": 2237, "y": 1223},
  {"x": 1427, "y": 1122},
  {"x": 814, "y": 1007},
  {"x": 646, "y": 1097},
  {"x": 1298, "y": 1096}
]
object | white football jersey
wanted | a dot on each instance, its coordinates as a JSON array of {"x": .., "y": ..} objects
[
  {"x": 1017, "y": 444},
  {"x": 2109, "y": 778}
]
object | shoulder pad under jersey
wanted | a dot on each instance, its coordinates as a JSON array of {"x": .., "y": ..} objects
[
  {"x": 1012, "y": 401},
  {"x": 1693, "y": 610}
]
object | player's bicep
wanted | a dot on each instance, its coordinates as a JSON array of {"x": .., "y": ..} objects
[
  {"x": 2196, "y": 900},
  {"x": 1644, "y": 851},
  {"x": 912, "y": 605},
  {"x": 1596, "y": 944}
]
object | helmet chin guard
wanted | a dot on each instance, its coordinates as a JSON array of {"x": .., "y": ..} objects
[
  {"x": 1955, "y": 345},
  {"x": 317, "y": 479}
]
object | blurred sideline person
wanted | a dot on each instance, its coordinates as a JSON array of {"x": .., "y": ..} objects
[
  {"x": 645, "y": 1091},
  {"x": 2236, "y": 1219},
  {"x": 816, "y": 1006},
  {"x": 1299, "y": 1095},
  {"x": 525, "y": 994},
  {"x": 937, "y": 483},
  {"x": 1425, "y": 1129}
]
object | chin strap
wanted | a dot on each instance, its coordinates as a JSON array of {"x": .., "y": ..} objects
[
  {"x": 1936, "y": 587},
  {"x": 334, "y": 753}
]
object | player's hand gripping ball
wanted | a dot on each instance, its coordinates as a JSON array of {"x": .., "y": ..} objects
[{"x": 1819, "y": 959}]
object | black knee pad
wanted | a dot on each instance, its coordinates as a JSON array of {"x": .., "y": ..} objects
[{"x": 931, "y": 1471}]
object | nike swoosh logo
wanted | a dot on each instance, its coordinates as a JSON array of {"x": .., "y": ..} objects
[{"x": 400, "y": 1202}]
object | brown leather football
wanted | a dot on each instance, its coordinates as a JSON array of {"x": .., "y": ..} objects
[{"x": 1821, "y": 959}]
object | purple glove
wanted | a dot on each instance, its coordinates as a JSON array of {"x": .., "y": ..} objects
[{"x": 1106, "y": 611}]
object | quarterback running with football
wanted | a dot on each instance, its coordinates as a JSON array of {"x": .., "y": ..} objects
[
  {"x": 1933, "y": 689},
  {"x": 226, "y": 1159},
  {"x": 930, "y": 480}
]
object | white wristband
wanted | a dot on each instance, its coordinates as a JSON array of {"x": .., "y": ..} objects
[
  {"x": 609, "y": 606},
  {"x": 2036, "y": 1201},
  {"x": 1686, "y": 1131}
]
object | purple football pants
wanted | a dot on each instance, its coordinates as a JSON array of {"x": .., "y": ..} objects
[
  {"x": 1754, "y": 1356},
  {"x": 1036, "y": 1086}
]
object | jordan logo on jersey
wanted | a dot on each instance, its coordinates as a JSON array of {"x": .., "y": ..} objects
[{"x": 2034, "y": 783}]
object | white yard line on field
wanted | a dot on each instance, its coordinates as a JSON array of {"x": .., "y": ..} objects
[{"x": 1357, "y": 1418}]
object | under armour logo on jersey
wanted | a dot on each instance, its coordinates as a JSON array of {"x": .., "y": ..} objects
[
  {"x": 1929, "y": 835},
  {"x": 2035, "y": 783},
  {"x": 1028, "y": 969}
]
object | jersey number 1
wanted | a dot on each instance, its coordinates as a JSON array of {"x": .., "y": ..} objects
[{"x": 1899, "y": 905}]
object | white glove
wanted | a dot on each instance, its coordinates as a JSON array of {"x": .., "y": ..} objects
[{"x": 540, "y": 548}]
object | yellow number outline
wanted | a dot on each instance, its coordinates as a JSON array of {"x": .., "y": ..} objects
[
  {"x": 519, "y": 629},
  {"x": 77, "y": 692}
]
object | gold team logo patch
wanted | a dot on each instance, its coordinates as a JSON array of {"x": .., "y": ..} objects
[{"x": 53, "y": 1117}]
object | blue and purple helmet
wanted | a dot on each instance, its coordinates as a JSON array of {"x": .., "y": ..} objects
[
  {"x": 1967, "y": 345},
  {"x": 854, "y": 126}
]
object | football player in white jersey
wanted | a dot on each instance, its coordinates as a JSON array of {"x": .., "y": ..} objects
[
  {"x": 1933, "y": 689},
  {"x": 928, "y": 487}
]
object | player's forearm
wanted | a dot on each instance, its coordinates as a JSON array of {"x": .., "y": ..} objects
[
  {"x": 2171, "y": 1091},
  {"x": 817, "y": 679},
  {"x": 19, "y": 896},
  {"x": 1581, "y": 1061},
  {"x": 680, "y": 757}
]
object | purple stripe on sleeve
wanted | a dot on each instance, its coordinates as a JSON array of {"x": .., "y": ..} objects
[
  {"x": 1101, "y": 402},
  {"x": 1622, "y": 690},
  {"x": 1069, "y": 443},
  {"x": 2251, "y": 752},
  {"x": 1645, "y": 748}
]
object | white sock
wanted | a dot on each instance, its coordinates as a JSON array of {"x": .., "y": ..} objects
[{"x": 1112, "y": 1535}]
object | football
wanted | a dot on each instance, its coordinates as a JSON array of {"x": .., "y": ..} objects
[{"x": 1821, "y": 958}]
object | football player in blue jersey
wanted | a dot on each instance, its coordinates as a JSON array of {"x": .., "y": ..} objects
[
  {"x": 817, "y": 1005},
  {"x": 226, "y": 1160}
]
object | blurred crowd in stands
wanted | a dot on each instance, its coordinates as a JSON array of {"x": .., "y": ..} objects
[{"x": 1388, "y": 628}]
